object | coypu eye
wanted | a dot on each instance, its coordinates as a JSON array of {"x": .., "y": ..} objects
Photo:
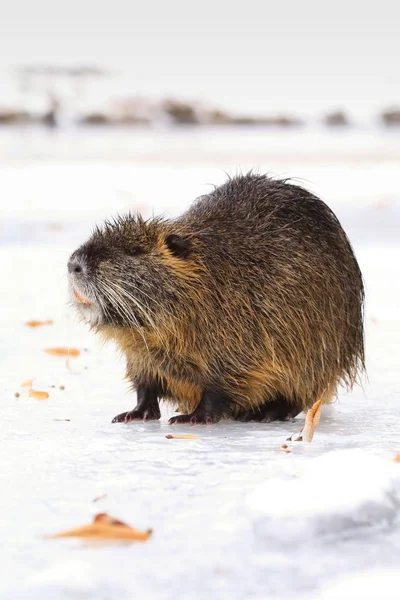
[{"x": 178, "y": 246}]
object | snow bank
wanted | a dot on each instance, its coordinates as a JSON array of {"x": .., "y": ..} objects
[
  {"x": 335, "y": 493},
  {"x": 366, "y": 585}
]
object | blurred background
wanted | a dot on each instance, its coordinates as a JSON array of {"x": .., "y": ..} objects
[
  {"x": 114, "y": 104},
  {"x": 270, "y": 63}
]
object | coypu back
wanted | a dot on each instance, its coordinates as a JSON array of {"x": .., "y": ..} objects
[{"x": 278, "y": 261}]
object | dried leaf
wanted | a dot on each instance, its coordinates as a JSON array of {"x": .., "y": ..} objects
[
  {"x": 63, "y": 351},
  {"x": 68, "y": 365},
  {"x": 38, "y": 395},
  {"x": 105, "y": 527},
  {"x": 310, "y": 425},
  {"x": 101, "y": 497},
  {"x": 397, "y": 457},
  {"x": 107, "y": 519},
  {"x": 27, "y": 384},
  {"x": 382, "y": 204},
  {"x": 55, "y": 226},
  {"x": 312, "y": 420},
  {"x": 38, "y": 323},
  {"x": 185, "y": 436},
  {"x": 286, "y": 449}
]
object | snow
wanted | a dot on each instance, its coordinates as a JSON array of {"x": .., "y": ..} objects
[
  {"x": 339, "y": 490},
  {"x": 368, "y": 585},
  {"x": 233, "y": 517}
]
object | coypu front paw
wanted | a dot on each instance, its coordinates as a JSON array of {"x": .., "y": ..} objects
[
  {"x": 211, "y": 408},
  {"x": 195, "y": 419},
  {"x": 137, "y": 414},
  {"x": 147, "y": 408}
]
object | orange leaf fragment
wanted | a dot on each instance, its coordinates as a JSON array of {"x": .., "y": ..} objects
[
  {"x": 311, "y": 423},
  {"x": 105, "y": 527},
  {"x": 38, "y": 323},
  {"x": 55, "y": 226},
  {"x": 185, "y": 436},
  {"x": 285, "y": 448},
  {"x": 98, "y": 498},
  {"x": 397, "y": 457},
  {"x": 27, "y": 384},
  {"x": 63, "y": 351},
  {"x": 38, "y": 395},
  {"x": 312, "y": 420}
]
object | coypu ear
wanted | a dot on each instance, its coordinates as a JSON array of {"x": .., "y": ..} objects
[{"x": 178, "y": 245}]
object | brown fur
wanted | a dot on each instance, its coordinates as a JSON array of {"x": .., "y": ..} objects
[{"x": 263, "y": 298}]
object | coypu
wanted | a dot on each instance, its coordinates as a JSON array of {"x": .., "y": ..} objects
[{"x": 248, "y": 306}]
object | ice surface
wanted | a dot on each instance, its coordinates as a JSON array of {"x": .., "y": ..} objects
[{"x": 233, "y": 517}]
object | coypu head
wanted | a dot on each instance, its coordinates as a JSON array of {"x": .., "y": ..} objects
[{"x": 130, "y": 273}]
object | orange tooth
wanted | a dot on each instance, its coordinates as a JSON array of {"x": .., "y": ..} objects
[{"x": 81, "y": 299}]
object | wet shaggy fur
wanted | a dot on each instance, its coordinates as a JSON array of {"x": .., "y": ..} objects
[{"x": 248, "y": 306}]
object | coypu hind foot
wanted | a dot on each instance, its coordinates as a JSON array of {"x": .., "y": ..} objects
[
  {"x": 147, "y": 408},
  {"x": 275, "y": 410},
  {"x": 211, "y": 409}
]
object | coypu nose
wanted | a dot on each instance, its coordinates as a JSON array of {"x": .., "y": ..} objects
[{"x": 74, "y": 266}]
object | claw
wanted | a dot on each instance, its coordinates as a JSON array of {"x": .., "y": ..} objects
[{"x": 119, "y": 418}]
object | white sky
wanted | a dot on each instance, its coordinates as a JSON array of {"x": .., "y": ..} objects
[{"x": 257, "y": 55}]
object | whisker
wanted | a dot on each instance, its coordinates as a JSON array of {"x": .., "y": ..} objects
[
  {"x": 129, "y": 284},
  {"x": 119, "y": 304},
  {"x": 135, "y": 301},
  {"x": 124, "y": 292},
  {"x": 145, "y": 310}
]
